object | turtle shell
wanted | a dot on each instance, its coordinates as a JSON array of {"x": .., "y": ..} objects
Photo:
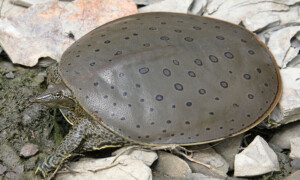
[{"x": 169, "y": 78}]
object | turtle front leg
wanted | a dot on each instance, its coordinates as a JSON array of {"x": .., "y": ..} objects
[{"x": 70, "y": 143}]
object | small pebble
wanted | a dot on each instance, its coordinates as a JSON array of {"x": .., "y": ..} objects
[
  {"x": 2, "y": 169},
  {"x": 10, "y": 75},
  {"x": 29, "y": 150}
]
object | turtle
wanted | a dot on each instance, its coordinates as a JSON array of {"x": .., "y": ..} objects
[{"x": 160, "y": 79}]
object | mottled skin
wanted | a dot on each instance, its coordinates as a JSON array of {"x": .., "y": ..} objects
[{"x": 86, "y": 133}]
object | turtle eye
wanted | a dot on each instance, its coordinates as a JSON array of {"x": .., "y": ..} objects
[{"x": 58, "y": 94}]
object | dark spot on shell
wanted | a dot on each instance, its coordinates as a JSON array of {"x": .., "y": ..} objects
[
  {"x": 176, "y": 62},
  {"x": 197, "y": 28},
  {"x": 164, "y": 131},
  {"x": 250, "y": 96},
  {"x": 188, "y": 39},
  {"x": 78, "y": 56},
  {"x": 129, "y": 105},
  {"x": 243, "y": 40},
  {"x": 267, "y": 102},
  {"x": 97, "y": 50},
  {"x": 197, "y": 135},
  {"x": 142, "y": 100},
  {"x": 248, "y": 115},
  {"x": 105, "y": 97},
  {"x": 124, "y": 28},
  {"x": 122, "y": 118},
  {"x": 152, "y": 28},
  {"x": 96, "y": 84},
  {"x": 92, "y": 64},
  {"x": 107, "y": 41},
  {"x": 247, "y": 76},
  {"x": 220, "y": 37},
  {"x": 166, "y": 72},
  {"x": 134, "y": 34},
  {"x": 179, "y": 21},
  {"x": 229, "y": 55},
  {"x": 168, "y": 121},
  {"x": 189, "y": 104},
  {"x": 173, "y": 106},
  {"x": 202, "y": 91},
  {"x": 187, "y": 122},
  {"x": 224, "y": 84},
  {"x": 165, "y": 38},
  {"x": 251, "y": 52},
  {"x": 126, "y": 38},
  {"x": 147, "y": 136},
  {"x": 152, "y": 123},
  {"x": 191, "y": 74},
  {"x": 163, "y": 23},
  {"x": 213, "y": 58},
  {"x": 89, "y": 45},
  {"x": 178, "y": 30},
  {"x": 230, "y": 72},
  {"x": 198, "y": 62},
  {"x": 172, "y": 134},
  {"x": 112, "y": 87},
  {"x": 258, "y": 70},
  {"x": 151, "y": 109},
  {"x": 118, "y": 53},
  {"x": 139, "y": 137},
  {"x": 138, "y": 85},
  {"x": 121, "y": 75},
  {"x": 211, "y": 113},
  {"x": 181, "y": 134},
  {"x": 146, "y": 44},
  {"x": 220, "y": 127},
  {"x": 217, "y": 98},
  {"x": 138, "y": 126},
  {"x": 178, "y": 86},
  {"x": 266, "y": 84},
  {"x": 236, "y": 105},
  {"x": 144, "y": 70},
  {"x": 69, "y": 64},
  {"x": 218, "y": 27},
  {"x": 124, "y": 93},
  {"x": 159, "y": 97},
  {"x": 86, "y": 97},
  {"x": 232, "y": 120},
  {"x": 114, "y": 104}
]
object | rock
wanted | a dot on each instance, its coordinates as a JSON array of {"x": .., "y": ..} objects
[
  {"x": 45, "y": 33},
  {"x": 146, "y": 2},
  {"x": 29, "y": 150},
  {"x": 10, "y": 75},
  {"x": 102, "y": 169},
  {"x": 294, "y": 176},
  {"x": 295, "y": 163},
  {"x": 10, "y": 10},
  {"x": 171, "y": 166},
  {"x": 30, "y": 114},
  {"x": 288, "y": 108},
  {"x": 280, "y": 42},
  {"x": 206, "y": 154},
  {"x": 295, "y": 148},
  {"x": 237, "y": 10},
  {"x": 27, "y": 3},
  {"x": 197, "y": 7},
  {"x": 148, "y": 157},
  {"x": 256, "y": 159},
  {"x": 8, "y": 156},
  {"x": 256, "y": 23},
  {"x": 37, "y": 80},
  {"x": 228, "y": 148},
  {"x": 46, "y": 62},
  {"x": 199, "y": 176},
  {"x": 7, "y": 67},
  {"x": 284, "y": 135},
  {"x": 2, "y": 169},
  {"x": 168, "y": 6}
]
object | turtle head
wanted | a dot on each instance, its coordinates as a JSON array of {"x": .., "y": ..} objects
[{"x": 56, "y": 96}]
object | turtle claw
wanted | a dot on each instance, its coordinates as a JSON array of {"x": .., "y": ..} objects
[{"x": 43, "y": 168}]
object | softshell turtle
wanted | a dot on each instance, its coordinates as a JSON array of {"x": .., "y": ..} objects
[{"x": 161, "y": 79}]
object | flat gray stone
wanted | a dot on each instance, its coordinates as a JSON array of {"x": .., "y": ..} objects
[
  {"x": 295, "y": 148},
  {"x": 256, "y": 23},
  {"x": 168, "y": 6},
  {"x": 171, "y": 166},
  {"x": 288, "y": 108},
  {"x": 284, "y": 135},
  {"x": 199, "y": 176},
  {"x": 206, "y": 154},
  {"x": 102, "y": 169},
  {"x": 2, "y": 169},
  {"x": 228, "y": 148},
  {"x": 8, "y": 156},
  {"x": 295, "y": 163},
  {"x": 256, "y": 159},
  {"x": 148, "y": 157}
]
